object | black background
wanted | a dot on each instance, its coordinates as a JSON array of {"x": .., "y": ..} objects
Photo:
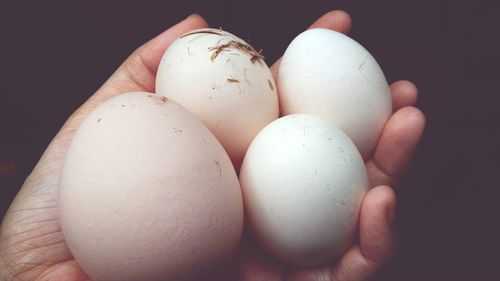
[{"x": 55, "y": 54}]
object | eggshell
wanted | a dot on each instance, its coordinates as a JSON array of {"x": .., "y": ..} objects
[
  {"x": 220, "y": 79},
  {"x": 303, "y": 181},
  {"x": 327, "y": 74},
  {"x": 148, "y": 193}
]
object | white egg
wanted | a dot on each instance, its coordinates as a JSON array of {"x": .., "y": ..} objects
[
  {"x": 224, "y": 82},
  {"x": 326, "y": 73},
  {"x": 303, "y": 181},
  {"x": 148, "y": 193}
]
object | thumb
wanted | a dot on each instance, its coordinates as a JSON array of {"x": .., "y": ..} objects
[
  {"x": 376, "y": 237},
  {"x": 136, "y": 73}
]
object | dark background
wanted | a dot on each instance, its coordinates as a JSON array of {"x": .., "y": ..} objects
[{"x": 55, "y": 54}]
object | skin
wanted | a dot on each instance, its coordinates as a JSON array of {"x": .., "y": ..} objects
[{"x": 32, "y": 246}]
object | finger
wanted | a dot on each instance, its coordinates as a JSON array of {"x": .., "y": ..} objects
[
  {"x": 376, "y": 237},
  {"x": 337, "y": 20},
  {"x": 404, "y": 93},
  {"x": 138, "y": 72},
  {"x": 395, "y": 148}
]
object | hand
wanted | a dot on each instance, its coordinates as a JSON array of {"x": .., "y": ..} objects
[{"x": 32, "y": 245}]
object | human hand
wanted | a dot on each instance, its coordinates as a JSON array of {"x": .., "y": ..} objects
[{"x": 32, "y": 245}]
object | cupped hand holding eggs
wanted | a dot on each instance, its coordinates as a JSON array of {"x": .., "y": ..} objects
[{"x": 203, "y": 246}]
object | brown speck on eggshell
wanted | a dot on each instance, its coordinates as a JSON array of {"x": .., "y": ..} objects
[
  {"x": 270, "y": 84},
  {"x": 232, "y": 80}
]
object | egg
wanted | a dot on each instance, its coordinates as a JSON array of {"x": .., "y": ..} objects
[
  {"x": 148, "y": 193},
  {"x": 303, "y": 181},
  {"x": 328, "y": 74},
  {"x": 224, "y": 82}
]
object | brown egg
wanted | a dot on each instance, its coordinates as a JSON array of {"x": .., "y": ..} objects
[{"x": 148, "y": 193}]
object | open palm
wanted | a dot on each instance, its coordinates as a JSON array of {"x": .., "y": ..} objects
[{"x": 32, "y": 246}]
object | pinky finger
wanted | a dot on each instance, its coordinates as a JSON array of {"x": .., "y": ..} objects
[{"x": 376, "y": 238}]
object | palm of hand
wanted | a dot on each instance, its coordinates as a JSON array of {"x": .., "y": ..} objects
[{"x": 32, "y": 245}]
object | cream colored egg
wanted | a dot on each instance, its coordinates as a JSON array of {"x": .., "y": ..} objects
[
  {"x": 148, "y": 193},
  {"x": 303, "y": 181},
  {"x": 224, "y": 82},
  {"x": 326, "y": 73}
]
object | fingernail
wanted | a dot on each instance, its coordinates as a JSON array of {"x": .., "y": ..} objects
[{"x": 192, "y": 16}]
